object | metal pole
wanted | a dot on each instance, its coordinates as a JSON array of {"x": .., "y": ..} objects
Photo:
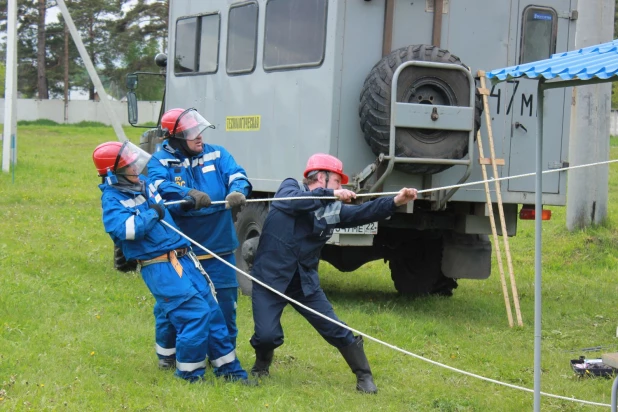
[
  {"x": 614, "y": 390},
  {"x": 91, "y": 71},
  {"x": 10, "y": 80},
  {"x": 538, "y": 209}
]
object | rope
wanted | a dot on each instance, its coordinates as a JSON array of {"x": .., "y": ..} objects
[
  {"x": 435, "y": 189},
  {"x": 371, "y": 337}
]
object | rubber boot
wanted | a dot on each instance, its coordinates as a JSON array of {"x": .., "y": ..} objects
[
  {"x": 263, "y": 359},
  {"x": 354, "y": 355},
  {"x": 168, "y": 362}
]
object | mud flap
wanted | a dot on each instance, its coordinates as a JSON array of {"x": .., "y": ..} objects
[{"x": 466, "y": 256}]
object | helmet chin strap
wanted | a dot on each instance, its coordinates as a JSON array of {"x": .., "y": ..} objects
[{"x": 326, "y": 179}]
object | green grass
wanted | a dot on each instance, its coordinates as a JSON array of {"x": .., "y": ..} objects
[{"x": 77, "y": 335}]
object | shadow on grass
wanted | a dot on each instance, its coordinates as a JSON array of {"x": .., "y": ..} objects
[{"x": 465, "y": 307}]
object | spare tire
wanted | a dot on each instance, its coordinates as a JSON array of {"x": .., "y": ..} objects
[{"x": 416, "y": 85}]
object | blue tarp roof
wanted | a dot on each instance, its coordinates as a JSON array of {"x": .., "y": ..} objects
[{"x": 599, "y": 61}]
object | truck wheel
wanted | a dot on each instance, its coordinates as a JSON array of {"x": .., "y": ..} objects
[
  {"x": 249, "y": 223},
  {"x": 418, "y": 272},
  {"x": 416, "y": 85},
  {"x": 121, "y": 263}
]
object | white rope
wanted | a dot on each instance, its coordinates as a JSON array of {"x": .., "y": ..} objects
[
  {"x": 371, "y": 337},
  {"x": 435, "y": 189}
]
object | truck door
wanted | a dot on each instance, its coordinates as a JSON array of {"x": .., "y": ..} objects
[{"x": 542, "y": 30}]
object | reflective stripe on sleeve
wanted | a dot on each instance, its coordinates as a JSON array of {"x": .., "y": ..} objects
[
  {"x": 129, "y": 228},
  {"x": 236, "y": 176},
  {"x": 190, "y": 367},
  {"x": 133, "y": 202},
  {"x": 217, "y": 363},
  {"x": 164, "y": 351}
]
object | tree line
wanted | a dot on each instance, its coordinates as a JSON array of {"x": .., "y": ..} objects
[{"x": 120, "y": 36}]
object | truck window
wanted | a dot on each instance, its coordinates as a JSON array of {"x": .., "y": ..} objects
[
  {"x": 294, "y": 33},
  {"x": 242, "y": 38},
  {"x": 197, "y": 44},
  {"x": 538, "y": 34}
]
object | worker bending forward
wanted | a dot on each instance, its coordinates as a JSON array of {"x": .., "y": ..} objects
[{"x": 288, "y": 254}]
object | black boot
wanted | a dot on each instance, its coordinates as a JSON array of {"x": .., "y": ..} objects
[
  {"x": 263, "y": 359},
  {"x": 168, "y": 362},
  {"x": 354, "y": 355}
]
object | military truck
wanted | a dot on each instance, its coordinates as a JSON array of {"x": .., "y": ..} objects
[{"x": 388, "y": 87}]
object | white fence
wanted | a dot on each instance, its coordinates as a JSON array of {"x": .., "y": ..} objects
[
  {"x": 80, "y": 110},
  {"x": 87, "y": 110}
]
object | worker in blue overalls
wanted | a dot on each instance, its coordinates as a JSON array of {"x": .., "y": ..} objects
[
  {"x": 133, "y": 212},
  {"x": 288, "y": 254},
  {"x": 190, "y": 169}
]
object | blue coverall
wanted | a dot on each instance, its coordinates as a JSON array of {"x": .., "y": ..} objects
[
  {"x": 215, "y": 172},
  {"x": 287, "y": 260},
  {"x": 185, "y": 299}
]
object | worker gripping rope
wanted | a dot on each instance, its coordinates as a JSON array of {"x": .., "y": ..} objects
[
  {"x": 288, "y": 254},
  {"x": 189, "y": 169},
  {"x": 133, "y": 216}
]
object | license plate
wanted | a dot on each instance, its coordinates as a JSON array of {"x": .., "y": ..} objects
[{"x": 368, "y": 229}]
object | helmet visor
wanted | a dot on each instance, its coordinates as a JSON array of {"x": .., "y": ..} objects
[
  {"x": 190, "y": 125},
  {"x": 131, "y": 160}
]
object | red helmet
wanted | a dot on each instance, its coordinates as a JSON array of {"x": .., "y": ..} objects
[
  {"x": 321, "y": 161},
  {"x": 184, "y": 124},
  {"x": 116, "y": 156}
]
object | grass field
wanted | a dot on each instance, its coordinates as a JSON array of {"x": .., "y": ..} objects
[{"x": 77, "y": 335}]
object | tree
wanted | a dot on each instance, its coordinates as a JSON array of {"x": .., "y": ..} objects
[
  {"x": 93, "y": 19},
  {"x": 117, "y": 44},
  {"x": 41, "y": 52},
  {"x": 141, "y": 34},
  {"x": 32, "y": 50}
]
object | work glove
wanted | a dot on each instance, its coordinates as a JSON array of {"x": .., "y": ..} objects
[
  {"x": 235, "y": 199},
  {"x": 188, "y": 203},
  {"x": 201, "y": 198},
  {"x": 160, "y": 209}
]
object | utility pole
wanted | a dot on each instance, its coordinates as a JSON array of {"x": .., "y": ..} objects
[
  {"x": 91, "y": 71},
  {"x": 9, "y": 143},
  {"x": 587, "y": 188},
  {"x": 66, "y": 73}
]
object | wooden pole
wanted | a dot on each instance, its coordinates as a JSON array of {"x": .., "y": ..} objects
[
  {"x": 505, "y": 237},
  {"x": 494, "y": 233}
]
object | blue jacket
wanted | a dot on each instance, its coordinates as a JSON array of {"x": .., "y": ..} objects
[
  {"x": 135, "y": 227},
  {"x": 215, "y": 172},
  {"x": 295, "y": 232}
]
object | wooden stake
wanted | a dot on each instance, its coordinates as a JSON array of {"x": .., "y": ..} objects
[
  {"x": 505, "y": 237},
  {"x": 494, "y": 233}
]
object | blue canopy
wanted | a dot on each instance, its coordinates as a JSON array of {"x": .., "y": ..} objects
[
  {"x": 594, "y": 64},
  {"x": 600, "y": 61}
]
